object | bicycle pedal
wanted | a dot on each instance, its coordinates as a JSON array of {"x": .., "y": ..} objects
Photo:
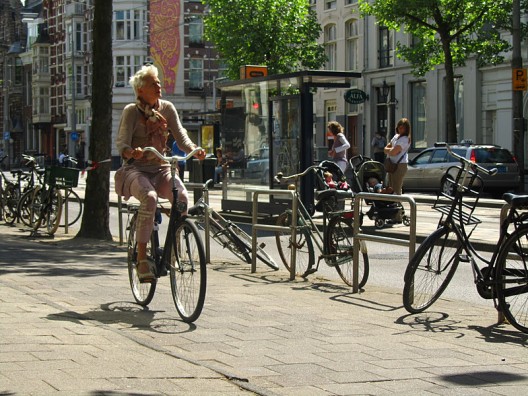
[
  {"x": 464, "y": 258},
  {"x": 309, "y": 272},
  {"x": 262, "y": 245}
]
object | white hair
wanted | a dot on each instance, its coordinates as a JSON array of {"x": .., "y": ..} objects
[{"x": 138, "y": 80}]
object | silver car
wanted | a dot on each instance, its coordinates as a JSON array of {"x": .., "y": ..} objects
[{"x": 426, "y": 171}]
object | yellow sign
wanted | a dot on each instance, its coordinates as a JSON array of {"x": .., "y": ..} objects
[
  {"x": 251, "y": 71},
  {"x": 519, "y": 80}
]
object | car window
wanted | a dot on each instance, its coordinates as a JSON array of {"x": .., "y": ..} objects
[
  {"x": 461, "y": 152},
  {"x": 423, "y": 158},
  {"x": 491, "y": 155},
  {"x": 439, "y": 156}
]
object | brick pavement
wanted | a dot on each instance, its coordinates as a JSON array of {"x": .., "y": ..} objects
[{"x": 68, "y": 326}]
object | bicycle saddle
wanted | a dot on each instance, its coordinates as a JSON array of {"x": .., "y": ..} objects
[{"x": 516, "y": 201}]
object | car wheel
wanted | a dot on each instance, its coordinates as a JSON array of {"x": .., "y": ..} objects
[{"x": 447, "y": 186}]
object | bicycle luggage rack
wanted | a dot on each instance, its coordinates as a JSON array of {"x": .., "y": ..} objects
[
  {"x": 63, "y": 178},
  {"x": 358, "y": 235}
]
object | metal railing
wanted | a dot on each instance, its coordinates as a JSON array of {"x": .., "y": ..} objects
[{"x": 359, "y": 235}]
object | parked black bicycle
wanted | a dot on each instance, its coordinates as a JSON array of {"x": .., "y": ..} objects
[
  {"x": 503, "y": 277},
  {"x": 182, "y": 255}
]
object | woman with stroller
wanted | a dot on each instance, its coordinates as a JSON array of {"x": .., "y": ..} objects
[
  {"x": 397, "y": 150},
  {"x": 340, "y": 146}
]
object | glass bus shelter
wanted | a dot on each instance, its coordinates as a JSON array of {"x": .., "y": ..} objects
[{"x": 266, "y": 127}]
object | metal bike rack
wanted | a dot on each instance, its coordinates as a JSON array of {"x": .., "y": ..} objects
[
  {"x": 255, "y": 227},
  {"x": 358, "y": 236}
]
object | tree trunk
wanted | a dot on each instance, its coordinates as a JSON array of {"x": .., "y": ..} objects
[{"x": 95, "y": 221}]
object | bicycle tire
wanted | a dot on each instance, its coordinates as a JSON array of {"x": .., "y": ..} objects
[
  {"x": 75, "y": 206},
  {"x": 340, "y": 242},
  {"x": 244, "y": 239},
  {"x": 143, "y": 292},
  {"x": 304, "y": 246},
  {"x": 512, "y": 279},
  {"x": 46, "y": 209},
  {"x": 226, "y": 238},
  {"x": 53, "y": 211},
  {"x": 188, "y": 271},
  {"x": 431, "y": 269},
  {"x": 24, "y": 207},
  {"x": 10, "y": 200}
]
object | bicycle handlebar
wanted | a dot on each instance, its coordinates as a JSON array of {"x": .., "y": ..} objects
[
  {"x": 279, "y": 176},
  {"x": 174, "y": 158},
  {"x": 490, "y": 172}
]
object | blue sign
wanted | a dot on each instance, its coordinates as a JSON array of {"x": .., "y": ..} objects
[
  {"x": 74, "y": 136},
  {"x": 7, "y": 135}
]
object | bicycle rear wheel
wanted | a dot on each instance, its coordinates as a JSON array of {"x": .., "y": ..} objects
[
  {"x": 54, "y": 210},
  {"x": 188, "y": 272},
  {"x": 75, "y": 206},
  {"x": 142, "y": 292},
  {"x": 303, "y": 243},
  {"x": 512, "y": 277},
  {"x": 46, "y": 209},
  {"x": 431, "y": 269},
  {"x": 339, "y": 244}
]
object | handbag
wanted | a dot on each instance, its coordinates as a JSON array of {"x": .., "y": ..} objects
[{"x": 390, "y": 167}]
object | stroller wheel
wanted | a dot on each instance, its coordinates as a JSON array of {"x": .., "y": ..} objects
[
  {"x": 406, "y": 220},
  {"x": 379, "y": 223}
]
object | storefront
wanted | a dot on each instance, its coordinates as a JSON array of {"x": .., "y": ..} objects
[{"x": 266, "y": 127}]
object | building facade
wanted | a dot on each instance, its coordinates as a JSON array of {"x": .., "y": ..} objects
[
  {"x": 483, "y": 95},
  {"x": 45, "y": 63}
]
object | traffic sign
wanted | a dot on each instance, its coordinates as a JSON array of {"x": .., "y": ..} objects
[{"x": 519, "y": 80}]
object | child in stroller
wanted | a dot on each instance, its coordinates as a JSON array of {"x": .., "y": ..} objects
[
  {"x": 368, "y": 177},
  {"x": 330, "y": 177},
  {"x": 383, "y": 212}
]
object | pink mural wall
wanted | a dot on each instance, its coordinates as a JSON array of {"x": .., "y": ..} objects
[{"x": 165, "y": 40}]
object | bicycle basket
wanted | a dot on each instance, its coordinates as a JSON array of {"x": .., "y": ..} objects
[{"x": 61, "y": 177}]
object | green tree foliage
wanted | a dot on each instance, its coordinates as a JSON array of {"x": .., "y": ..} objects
[
  {"x": 445, "y": 32},
  {"x": 95, "y": 221},
  {"x": 277, "y": 33}
]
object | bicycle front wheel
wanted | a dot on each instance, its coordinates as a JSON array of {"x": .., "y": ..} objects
[
  {"x": 188, "y": 272},
  {"x": 74, "y": 204},
  {"x": 431, "y": 269},
  {"x": 24, "y": 207},
  {"x": 512, "y": 277},
  {"x": 225, "y": 238},
  {"x": 10, "y": 199},
  {"x": 245, "y": 240},
  {"x": 303, "y": 243},
  {"x": 339, "y": 247},
  {"x": 143, "y": 292}
]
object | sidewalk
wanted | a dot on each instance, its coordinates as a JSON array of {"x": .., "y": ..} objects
[{"x": 68, "y": 326}]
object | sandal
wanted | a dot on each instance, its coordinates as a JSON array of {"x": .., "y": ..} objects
[{"x": 145, "y": 277}]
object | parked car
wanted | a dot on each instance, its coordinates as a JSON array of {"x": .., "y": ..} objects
[
  {"x": 257, "y": 165},
  {"x": 426, "y": 171}
]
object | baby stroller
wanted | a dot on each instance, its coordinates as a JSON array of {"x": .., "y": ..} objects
[
  {"x": 382, "y": 212},
  {"x": 330, "y": 177}
]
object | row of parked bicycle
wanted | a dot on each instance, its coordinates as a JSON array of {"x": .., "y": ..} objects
[{"x": 36, "y": 196}]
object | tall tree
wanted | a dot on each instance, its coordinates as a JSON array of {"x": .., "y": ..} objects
[
  {"x": 95, "y": 221},
  {"x": 445, "y": 32},
  {"x": 277, "y": 33}
]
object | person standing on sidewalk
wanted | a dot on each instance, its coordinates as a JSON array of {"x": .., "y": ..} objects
[
  {"x": 148, "y": 122},
  {"x": 378, "y": 144},
  {"x": 340, "y": 146},
  {"x": 397, "y": 150}
]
